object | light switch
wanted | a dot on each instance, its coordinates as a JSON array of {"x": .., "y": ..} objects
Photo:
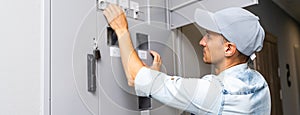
[
  {"x": 114, "y": 52},
  {"x": 142, "y": 54},
  {"x": 135, "y": 7},
  {"x": 124, "y": 4}
]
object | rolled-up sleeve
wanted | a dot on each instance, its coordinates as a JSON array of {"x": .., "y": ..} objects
[
  {"x": 192, "y": 94},
  {"x": 144, "y": 80}
]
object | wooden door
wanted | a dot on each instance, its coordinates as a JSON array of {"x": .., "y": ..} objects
[{"x": 267, "y": 64}]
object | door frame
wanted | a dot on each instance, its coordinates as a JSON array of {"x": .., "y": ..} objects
[{"x": 46, "y": 59}]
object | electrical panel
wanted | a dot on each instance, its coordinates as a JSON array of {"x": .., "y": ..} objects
[
  {"x": 87, "y": 76},
  {"x": 101, "y": 84}
]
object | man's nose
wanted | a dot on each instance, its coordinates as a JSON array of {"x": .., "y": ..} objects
[{"x": 203, "y": 41}]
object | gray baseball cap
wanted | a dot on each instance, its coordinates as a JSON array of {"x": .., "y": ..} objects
[{"x": 237, "y": 25}]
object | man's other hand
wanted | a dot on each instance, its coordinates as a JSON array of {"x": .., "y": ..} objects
[{"x": 156, "y": 64}]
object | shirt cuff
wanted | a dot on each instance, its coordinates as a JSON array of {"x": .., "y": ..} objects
[{"x": 144, "y": 81}]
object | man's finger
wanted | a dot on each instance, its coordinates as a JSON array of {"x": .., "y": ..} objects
[
  {"x": 109, "y": 13},
  {"x": 156, "y": 56},
  {"x": 117, "y": 9}
]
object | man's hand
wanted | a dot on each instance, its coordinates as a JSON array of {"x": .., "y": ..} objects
[
  {"x": 156, "y": 64},
  {"x": 116, "y": 19}
]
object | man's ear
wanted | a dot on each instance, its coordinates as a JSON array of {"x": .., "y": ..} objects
[{"x": 230, "y": 49}]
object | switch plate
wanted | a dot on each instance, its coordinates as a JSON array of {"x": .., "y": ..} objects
[
  {"x": 134, "y": 5},
  {"x": 142, "y": 54},
  {"x": 130, "y": 13},
  {"x": 124, "y": 4},
  {"x": 114, "y": 52}
]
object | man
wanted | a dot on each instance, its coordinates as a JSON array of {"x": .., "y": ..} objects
[{"x": 233, "y": 36}]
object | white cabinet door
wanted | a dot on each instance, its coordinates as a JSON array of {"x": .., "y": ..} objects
[
  {"x": 74, "y": 26},
  {"x": 72, "y": 21}
]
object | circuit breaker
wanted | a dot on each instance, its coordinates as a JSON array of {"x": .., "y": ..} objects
[{"x": 112, "y": 38}]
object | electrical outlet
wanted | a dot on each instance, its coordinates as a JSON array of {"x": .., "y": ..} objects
[{"x": 114, "y": 52}]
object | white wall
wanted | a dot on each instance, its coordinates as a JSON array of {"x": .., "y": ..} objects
[
  {"x": 21, "y": 57},
  {"x": 287, "y": 30}
]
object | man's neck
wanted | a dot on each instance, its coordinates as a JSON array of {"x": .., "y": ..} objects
[{"x": 226, "y": 64}]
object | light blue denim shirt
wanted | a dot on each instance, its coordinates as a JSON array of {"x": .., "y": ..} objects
[{"x": 236, "y": 90}]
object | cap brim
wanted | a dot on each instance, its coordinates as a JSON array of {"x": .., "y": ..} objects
[{"x": 205, "y": 19}]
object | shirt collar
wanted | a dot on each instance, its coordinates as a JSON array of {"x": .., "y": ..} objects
[{"x": 233, "y": 70}]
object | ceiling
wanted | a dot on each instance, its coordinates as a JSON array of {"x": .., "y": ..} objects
[{"x": 292, "y": 7}]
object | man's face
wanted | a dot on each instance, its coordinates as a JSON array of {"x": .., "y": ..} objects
[{"x": 213, "y": 47}]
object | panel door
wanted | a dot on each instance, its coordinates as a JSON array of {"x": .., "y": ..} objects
[{"x": 72, "y": 22}]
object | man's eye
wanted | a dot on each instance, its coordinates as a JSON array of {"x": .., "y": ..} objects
[{"x": 208, "y": 36}]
